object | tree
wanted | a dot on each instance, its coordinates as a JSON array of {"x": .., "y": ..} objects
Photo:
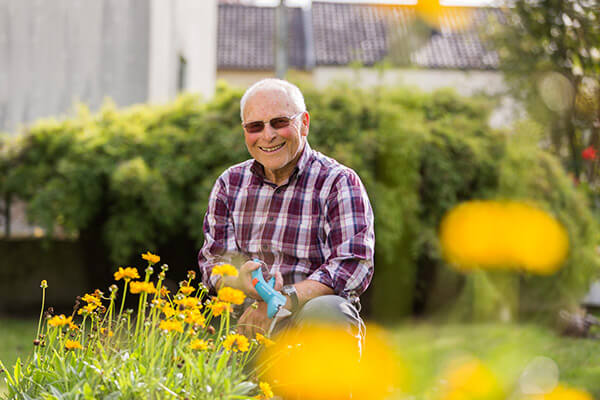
[{"x": 549, "y": 51}]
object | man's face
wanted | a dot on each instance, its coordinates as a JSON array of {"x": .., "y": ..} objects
[{"x": 277, "y": 150}]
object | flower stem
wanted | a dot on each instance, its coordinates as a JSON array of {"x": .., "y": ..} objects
[{"x": 41, "y": 313}]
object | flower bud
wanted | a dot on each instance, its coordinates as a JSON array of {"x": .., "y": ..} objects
[
  {"x": 191, "y": 275},
  {"x": 149, "y": 270},
  {"x": 44, "y": 284},
  {"x": 36, "y": 342},
  {"x": 164, "y": 267},
  {"x": 113, "y": 288}
]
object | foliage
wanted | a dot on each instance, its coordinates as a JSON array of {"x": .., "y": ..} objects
[
  {"x": 142, "y": 176},
  {"x": 164, "y": 350},
  {"x": 550, "y": 54}
]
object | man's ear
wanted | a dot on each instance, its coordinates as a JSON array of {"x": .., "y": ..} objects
[{"x": 305, "y": 123}]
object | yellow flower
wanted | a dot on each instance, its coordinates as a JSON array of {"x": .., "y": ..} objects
[
  {"x": 91, "y": 299},
  {"x": 224, "y": 270},
  {"x": 59, "y": 320},
  {"x": 470, "y": 380},
  {"x": 300, "y": 361},
  {"x": 137, "y": 287},
  {"x": 168, "y": 311},
  {"x": 104, "y": 330},
  {"x": 189, "y": 302},
  {"x": 198, "y": 344},
  {"x": 265, "y": 341},
  {"x": 72, "y": 344},
  {"x": 266, "y": 392},
  {"x": 127, "y": 274},
  {"x": 508, "y": 235},
  {"x": 151, "y": 258},
  {"x": 88, "y": 309},
  {"x": 561, "y": 392},
  {"x": 194, "y": 317},
  {"x": 231, "y": 295},
  {"x": 219, "y": 308},
  {"x": 164, "y": 292},
  {"x": 171, "y": 326},
  {"x": 73, "y": 327},
  {"x": 187, "y": 290},
  {"x": 236, "y": 342},
  {"x": 44, "y": 284}
]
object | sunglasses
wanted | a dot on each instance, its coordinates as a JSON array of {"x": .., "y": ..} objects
[{"x": 276, "y": 123}]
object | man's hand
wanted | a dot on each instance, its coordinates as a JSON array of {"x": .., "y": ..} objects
[
  {"x": 254, "y": 320},
  {"x": 243, "y": 281}
]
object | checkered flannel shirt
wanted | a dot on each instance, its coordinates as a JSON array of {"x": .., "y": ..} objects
[{"x": 318, "y": 225}]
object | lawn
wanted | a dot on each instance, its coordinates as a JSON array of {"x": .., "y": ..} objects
[{"x": 426, "y": 348}]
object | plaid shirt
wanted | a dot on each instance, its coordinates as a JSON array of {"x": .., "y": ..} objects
[{"x": 318, "y": 225}]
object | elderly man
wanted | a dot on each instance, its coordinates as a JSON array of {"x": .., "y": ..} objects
[{"x": 307, "y": 217}]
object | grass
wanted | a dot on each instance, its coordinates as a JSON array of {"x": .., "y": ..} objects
[{"x": 506, "y": 348}]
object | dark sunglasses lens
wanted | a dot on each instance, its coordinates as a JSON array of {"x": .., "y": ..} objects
[
  {"x": 255, "y": 127},
  {"x": 278, "y": 123}
]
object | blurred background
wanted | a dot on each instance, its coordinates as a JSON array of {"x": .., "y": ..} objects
[{"x": 118, "y": 115}]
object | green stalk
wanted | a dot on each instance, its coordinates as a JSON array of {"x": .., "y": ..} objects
[
  {"x": 123, "y": 300},
  {"x": 41, "y": 312}
]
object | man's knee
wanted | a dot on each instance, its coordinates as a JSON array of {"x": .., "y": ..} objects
[{"x": 329, "y": 309}]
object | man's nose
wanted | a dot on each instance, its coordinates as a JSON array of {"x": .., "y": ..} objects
[{"x": 269, "y": 132}]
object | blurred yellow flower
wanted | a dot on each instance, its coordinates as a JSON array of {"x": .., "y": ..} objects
[
  {"x": 59, "y": 320},
  {"x": 265, "y": 341},
  {"x": 87, "y": 309},
  {"x": 561, "y": 392},
  {"x": 495, "y": 235},
  {"x": 91, "y": 299},
  {"x": 189, "y": 302},
  {"x": 199, "y": 344},
  {"x": 171, "y": 325},
  {"x": 265, "y": 391},
  {"x": 236, "y": 342},
  {"x": 469, "y": 379},
  {"x": 224, "y": 270},
  {"x": 300, "y": 362},
  {"x": 72, "y": 344},
  {"x": 128, "y": 274},
  {"x": 219, "y": 308},
  {"x": 151, "y": 258},
  {"x": 168, "y": 311},
  {"x": 187, "y": 290},
  {"x": 104, "y": 331},
  {"x": 137, "y": 287},
  {"x": 73, "y": 327},
  {"x": 231, "y": 295},
  {"x": 194, "y": 317}
]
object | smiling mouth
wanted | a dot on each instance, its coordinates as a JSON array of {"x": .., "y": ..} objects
[{"x": 271, "y": 149}]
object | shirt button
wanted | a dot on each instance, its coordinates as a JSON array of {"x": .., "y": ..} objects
[
  {"x": 265, "y": 247},
  {"x": 271, "y": 219}
]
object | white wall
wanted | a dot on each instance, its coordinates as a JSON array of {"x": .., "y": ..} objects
[{"x": 187, "y": 28}]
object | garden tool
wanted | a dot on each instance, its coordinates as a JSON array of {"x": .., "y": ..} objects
[{"x": 274, "y": 299}]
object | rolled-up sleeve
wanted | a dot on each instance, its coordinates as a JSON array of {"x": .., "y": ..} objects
[
  {"x": 350, "y": 238},
  {"x": 219, "y": 238}
]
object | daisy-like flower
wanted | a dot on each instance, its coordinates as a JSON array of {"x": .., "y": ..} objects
[
  {"x": 199, "y": 344},
  {"x": 231, "y": 295},
  {"x": 236, "y": 342},
  {"x": 194, "y": 317},
  {"x": 59, "y": 320},
  {"x": 219, "y": 307},
  {"x": 127, "y": 273},
  {"x": 137, "y": 287},
  {"x": 171, "y": 325},
  {"x": 151, "y": 258},
  {"x": 88, "y": 309},
  {"x": 189, "y": 302},
  {"x": 187, "y": 290},
  {"x": 72, "y": 345},
  {"x": 91, "y": 299},
  {"x": 224, "y": 270},
  {"x": 73, "y": 327},
  {"x": 168, "y": 311},
  {"x": 265, "y": 391},
  {"x": 265, "y": 341}
]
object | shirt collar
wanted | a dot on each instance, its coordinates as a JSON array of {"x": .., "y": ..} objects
[{"x": 304, "y": 160}]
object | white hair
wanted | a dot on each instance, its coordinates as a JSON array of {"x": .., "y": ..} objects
[{"x": 271, "y": 83}]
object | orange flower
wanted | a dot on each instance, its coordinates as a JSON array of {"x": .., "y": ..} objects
[
  {"x": 72, "y": 345},
  {"x": 137, "y": 287},
  {"x": 224, "y": 269},
  {"x": 231, "y": 295},
  {"x": 59, "y": 320},
  {"x": 187, "y": 290},
  {"x": 127, "y": 274},
  {"x": 236, "y": 342},
  {"x": 265, "y": 341},
  {"x": 194, "y": 317},
  {"x": 171, "y": 326},
  {"x": 199, "y": 344},
  {"x": 91, "y": 299},
  {"x": 151, "y": 258},
  {"x": 189, "y": 302},
  {"x": 219, "y": 308}
]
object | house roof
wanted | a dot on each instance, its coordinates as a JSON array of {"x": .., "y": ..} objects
[{"x": 342, "y": 33}]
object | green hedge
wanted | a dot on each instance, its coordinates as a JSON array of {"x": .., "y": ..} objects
[{"x": 124, "y": 181}]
